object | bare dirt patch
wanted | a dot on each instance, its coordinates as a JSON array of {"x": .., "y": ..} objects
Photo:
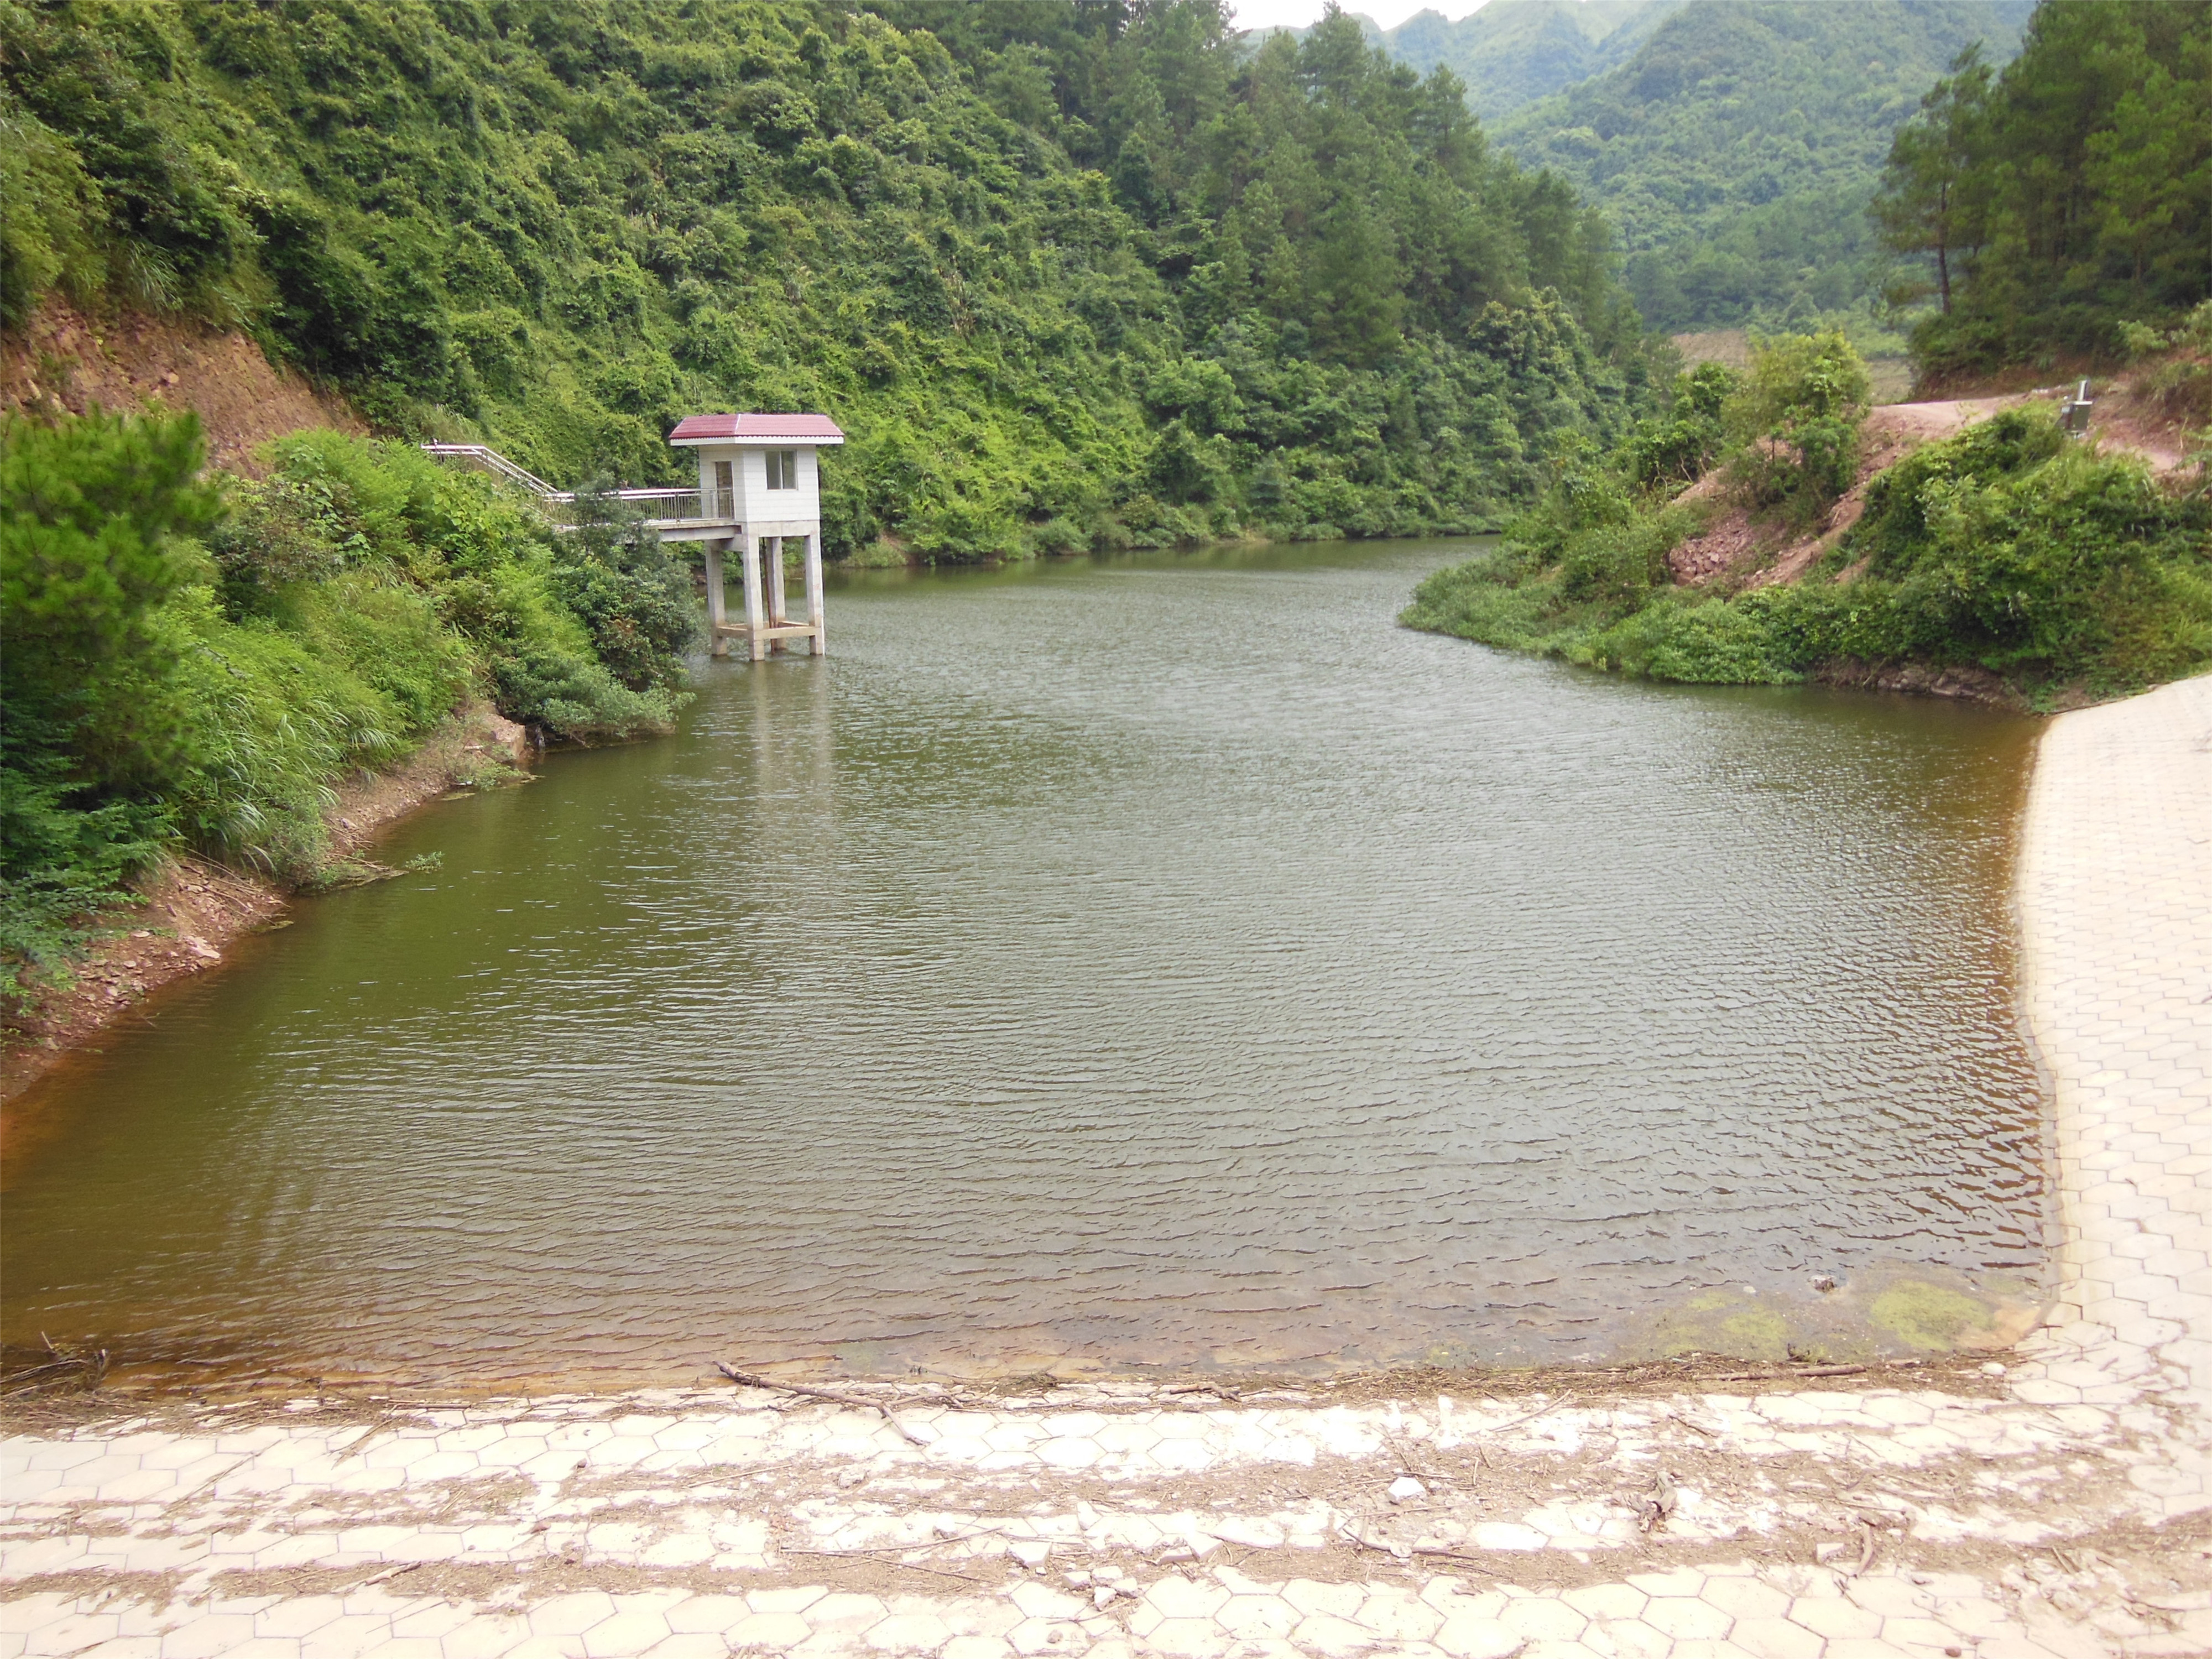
[
  {"x": 1736, "y": 551},
  {"x": 64, "y": 360}
]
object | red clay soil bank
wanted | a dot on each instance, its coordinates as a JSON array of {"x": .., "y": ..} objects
[{"x": 66, "y": 360}]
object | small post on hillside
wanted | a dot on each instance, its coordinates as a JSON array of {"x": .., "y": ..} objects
[{"x": 2073, "y": 414}]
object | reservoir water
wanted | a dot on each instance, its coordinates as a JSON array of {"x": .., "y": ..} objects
[{"x": 1160, "y": 960}]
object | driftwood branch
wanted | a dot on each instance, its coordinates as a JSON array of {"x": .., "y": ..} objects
[
  {"x": 91, "y": 1370},
  {"x": 1783, "y": 1376},
  {"x": 858, "y": 1402}
]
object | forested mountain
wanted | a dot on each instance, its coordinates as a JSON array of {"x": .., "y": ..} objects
[
  {"x": 1070, "y": 271},
  {"x": 1512, "y": 53},
  {"x": 2064, "y": 205},
  {"x": 1738, "y": 147}
]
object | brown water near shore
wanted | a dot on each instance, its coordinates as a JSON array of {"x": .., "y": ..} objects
[{"x": 1152, "y": 962}]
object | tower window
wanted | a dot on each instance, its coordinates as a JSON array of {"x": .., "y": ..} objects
[{"x": 783, "y": 469}]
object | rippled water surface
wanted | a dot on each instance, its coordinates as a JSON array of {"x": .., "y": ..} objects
[{"x": 1164, "y": 960}]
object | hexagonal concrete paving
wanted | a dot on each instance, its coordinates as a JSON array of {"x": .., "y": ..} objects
[{"x": 2056, "y": 1509}]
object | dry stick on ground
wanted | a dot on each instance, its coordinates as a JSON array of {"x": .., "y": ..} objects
[
  {"x": 1430, "y": 1551},
  {"x": 873, "y": 1558},
  {"x": 1560, "y": 1404},
  {"x": 858, "y": 1401},
  {"x": 1406, "y": 1464},
  {"x": 1783, "y": 1376}
]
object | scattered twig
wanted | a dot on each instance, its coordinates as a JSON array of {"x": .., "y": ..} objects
[
  {"x": 872, "y": 1555},
  {"x": 1407, "y": 1465},
  {"x": 1217, "y": 1392},
  {"x": 858, "y": 1401},
  {"x": 1866, "y": 1553},
  {"x": 1783, "y": 1376},
  {"x": 1426, "y": 1552},
  {"x": 385, "y": 1420},
  {"x": 1560, "y": 1404}
]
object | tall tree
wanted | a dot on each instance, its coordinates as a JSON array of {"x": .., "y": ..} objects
[
  {"x": 1930, "y": 203},
  {"x": 2082, "y": 186}
]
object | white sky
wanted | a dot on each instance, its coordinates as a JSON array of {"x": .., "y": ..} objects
[{"x": 1298, "y": 14}]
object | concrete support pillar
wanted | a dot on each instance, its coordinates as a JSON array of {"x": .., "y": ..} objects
[
  {"x": 777, "y": 613},
  {"x": 755, "y": 617},
  {"x": 718, "y": 644},
  {"x": 820, "y": 643}
]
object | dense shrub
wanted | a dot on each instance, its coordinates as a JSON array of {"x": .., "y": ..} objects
[
  {"x": 1795, "y": 423},
  {"x": 181, "y": 666},
  {"x": 2006, "y": 549},
  {"x": 1683, "y": 445}
]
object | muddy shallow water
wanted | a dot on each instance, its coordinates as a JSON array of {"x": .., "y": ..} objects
[{"x": 1156, "y": 961}]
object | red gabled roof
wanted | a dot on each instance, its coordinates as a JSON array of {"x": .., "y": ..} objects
[{"x": 756, "y": 428}]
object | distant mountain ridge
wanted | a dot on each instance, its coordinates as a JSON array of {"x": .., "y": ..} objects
[
  {"x": 1734, "y": 143},
  {"x": 1512, "y": 52}
]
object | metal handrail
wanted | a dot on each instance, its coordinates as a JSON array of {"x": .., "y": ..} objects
[
  {"x": 506, "y": 469},
  {"x": 723, "y": 501}
]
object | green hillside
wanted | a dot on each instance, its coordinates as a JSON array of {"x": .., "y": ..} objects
[
  {"x": 1512, "y": 53},
  {"x": 1738, "y": 146},
  {"x": 1069, "y": 276}
]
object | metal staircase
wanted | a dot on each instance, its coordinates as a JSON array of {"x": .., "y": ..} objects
[{"x": 687, "y": 512}]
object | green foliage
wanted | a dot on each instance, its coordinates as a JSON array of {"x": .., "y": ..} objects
[
  {"x": 2068, "y": 199},
  {"x": 633, "y": 599},
  {"x": 2005, "y": 549},
  {"x": 1063, "y": 271},
  {"x": 1797, "y": 421},
  {"x": 1682, "y": 446},
  {"x": 1593, "y": 549},
  {"x": 1524, "y": 600},
  {"x": 49, "y": 216},
  {"x": 1739, "y": 145},
  {"x": 179, "y": 665},
  {"x": 1931, "y": 199}
]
